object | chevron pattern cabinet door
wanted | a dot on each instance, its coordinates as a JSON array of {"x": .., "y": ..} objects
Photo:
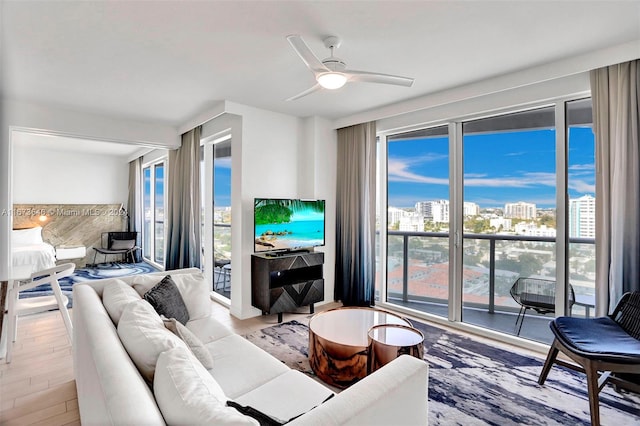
[{"x": 284, "y": 283}]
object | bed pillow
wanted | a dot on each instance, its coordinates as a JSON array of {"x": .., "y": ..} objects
[
  {"x": 166, "y": 300},
  {"x": 145, "y": 337},
  {"x": 188, "y": 395},
  {"x": 26, "y": 237}
]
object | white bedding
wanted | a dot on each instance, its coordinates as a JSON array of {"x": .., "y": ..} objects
[{"x": 40, "y": 256}]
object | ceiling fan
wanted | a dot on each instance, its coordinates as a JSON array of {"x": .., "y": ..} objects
[{"x": 331, "y": 73}]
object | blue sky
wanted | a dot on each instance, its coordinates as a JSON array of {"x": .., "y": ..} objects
[
  {"x": 499, "y": 168},
  {"x": 222, "y": 182}
]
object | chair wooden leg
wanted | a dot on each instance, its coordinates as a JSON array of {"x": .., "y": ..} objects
[
  {"x": 551, "y": 357},
  {"x": 593, "y": 390},
  {"x": 57, "y": 292}
]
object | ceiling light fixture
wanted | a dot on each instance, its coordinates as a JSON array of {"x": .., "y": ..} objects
[{"x": 332, "y": 80}]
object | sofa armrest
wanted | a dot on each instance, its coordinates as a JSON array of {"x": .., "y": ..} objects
[
  {"x": 110, "y": 388},
  {"x": 395, "y": 394}
]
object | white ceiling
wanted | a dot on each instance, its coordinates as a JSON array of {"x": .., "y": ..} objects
[{"x": 167, "y": 61}]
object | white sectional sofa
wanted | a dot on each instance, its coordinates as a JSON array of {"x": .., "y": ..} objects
[{"x": 165, "y": 383}]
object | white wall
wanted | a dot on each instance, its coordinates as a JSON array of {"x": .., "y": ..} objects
[
  {"x": 274, "y": 156},
  {"x": 44, "y": 176},
  {"x": 324, "y": 142}
]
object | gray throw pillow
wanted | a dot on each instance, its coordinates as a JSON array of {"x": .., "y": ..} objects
[{"x": 166, "y": 300}]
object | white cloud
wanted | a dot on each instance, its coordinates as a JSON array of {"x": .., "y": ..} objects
[
  {"x": 582, "y": 186},
  {"x": 580, "y": 167}
]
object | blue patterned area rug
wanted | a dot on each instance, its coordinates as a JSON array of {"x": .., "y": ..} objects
[
  {"x": 473, "y": 383},
  {"x": 97, "y": 272}
]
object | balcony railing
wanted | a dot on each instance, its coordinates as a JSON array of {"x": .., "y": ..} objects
[{"x": 489, "y": 262}]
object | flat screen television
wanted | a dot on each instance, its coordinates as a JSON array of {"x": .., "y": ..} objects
[{"x": 282, "y": 225}]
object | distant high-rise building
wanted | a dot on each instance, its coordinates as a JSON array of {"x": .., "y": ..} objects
[
  {"x": 471, "y": 209},
  {"x": 434, "y": 211},
  {"x": 500, "y": 221},
  {"x": 440, "y": 211},
  {"x": 582, "y": 217},
  {"x": 533, "y": 230},
  {"x": 412, "y": 222},
  {"x": 520, "y": 210},
  {"x": 423, "y": 208},
  {"x": 394, "y": 215}
]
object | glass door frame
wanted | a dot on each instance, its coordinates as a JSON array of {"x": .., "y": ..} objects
[
  {"x": 152, "y": 201},
  {"x": 456, "y": 195},
  {"x": 208, "y": 236}
]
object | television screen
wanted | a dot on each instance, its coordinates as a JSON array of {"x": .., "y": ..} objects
[{"x": 287, "y": 224}]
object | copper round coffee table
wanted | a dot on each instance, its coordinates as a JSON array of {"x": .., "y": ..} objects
[
  {"x": 338, "y": 342},
  {"x": 388, "y": 341}
]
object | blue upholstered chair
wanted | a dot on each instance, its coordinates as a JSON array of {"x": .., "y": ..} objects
[{"x": 609, "y": 344}]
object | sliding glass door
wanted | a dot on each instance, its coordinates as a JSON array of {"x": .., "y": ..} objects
[
  {"x": 491, "y": 220},
  {"x": 216, "y": 172},
  {"x": 153, "y": 192},
  {"x": 418, "y": 220},
  {"x": 509, "y": 226}
]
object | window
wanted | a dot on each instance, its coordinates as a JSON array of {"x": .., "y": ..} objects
[
  {"x": 581, "y": 178},
  {"x": 153, "y": 192},
  {"x": 216, "y": 208},
  {"x": 509, "y": 214},
  {"x": 418, "y": 219},
  {"x": 480, "y": 202}
]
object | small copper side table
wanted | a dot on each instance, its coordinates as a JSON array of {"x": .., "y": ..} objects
[
  {"x": 388, "y": 341},
  {"x": 338, "y": 342}
]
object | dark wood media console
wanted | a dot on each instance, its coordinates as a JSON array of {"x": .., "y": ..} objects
[{"x": 286, "y": 282}]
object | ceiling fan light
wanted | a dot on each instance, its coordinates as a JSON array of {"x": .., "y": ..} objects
[{"x": 332, "y": 80}]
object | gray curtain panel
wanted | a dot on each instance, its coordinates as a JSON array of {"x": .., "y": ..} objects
[
  {"x": 615, "y": 91},
  {"x": 355, "y": 215},
  {"x": 183, "y": 204}
]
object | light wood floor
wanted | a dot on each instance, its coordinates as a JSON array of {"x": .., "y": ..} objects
[{"x": 38, "y": 386}]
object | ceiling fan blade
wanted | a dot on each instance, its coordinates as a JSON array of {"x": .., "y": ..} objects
[
  {"x": 305, "y": 93},
  {"x": 306, "y": 54},
  {"x": 372, "y": 77}
]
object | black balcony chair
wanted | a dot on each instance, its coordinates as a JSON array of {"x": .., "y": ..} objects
[
  {"x": 537, "y": 294},
  {"x": 122, "y": 243},
  {"x": 224, "y": 273},
  {"x": 609, "y": 344}
]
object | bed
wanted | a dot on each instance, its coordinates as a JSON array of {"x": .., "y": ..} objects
[{"x": 28, "y": 248}]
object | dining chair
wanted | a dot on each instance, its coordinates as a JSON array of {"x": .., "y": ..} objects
[
  {"x": 609, "y": 344},
  {"x": 31, "y": 305}
]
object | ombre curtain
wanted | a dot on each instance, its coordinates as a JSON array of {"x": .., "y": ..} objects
[
  {"x": 355, "y": 215},
  {"x": 183, "y": 204},
  {"x": 615, "y": 91},
  {"x": 134, "y": 203}
]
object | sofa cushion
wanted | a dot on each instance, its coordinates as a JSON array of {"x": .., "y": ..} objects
[
  {"x": 208, "y": 329},
  {"x": 192, "y": 341},
  {"x": 188, "y": 395},
  {"x": 192, "y": 286},
  {"x": 116, "y": 296},
  {"x": 145, "y": 337},
  {"x": 286, "y": 397},
  {"x": 240, "y": 366},
  {"x": 167, "y": 300}
]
